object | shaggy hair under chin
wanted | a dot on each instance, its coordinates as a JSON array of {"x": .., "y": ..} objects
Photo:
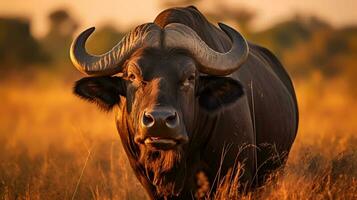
[{"x": 165, "y": 169}]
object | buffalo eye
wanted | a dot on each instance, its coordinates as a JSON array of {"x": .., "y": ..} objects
[
  {"x": 136, "y": 80},
  {"x": 189, "y": 80},
  {"x": 191, "y": 77},
  {"x": 132, "y": 77}
]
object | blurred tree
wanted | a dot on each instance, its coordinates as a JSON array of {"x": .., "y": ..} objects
[
  {"x": 61, "y": 23},
  {"x": 18, "y": 48},
  {"x": 342, "y": 54},
  {"x": 300, "y": 42},
  {"x": 59, "y": 37},
  {"x": 287, "y": 34},
  {"x": 307, "y": 44}
]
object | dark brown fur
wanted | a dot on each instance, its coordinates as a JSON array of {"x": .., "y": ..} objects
[
  {"x": 254, "y": 105},
  {"x": 165, "y": 169}
]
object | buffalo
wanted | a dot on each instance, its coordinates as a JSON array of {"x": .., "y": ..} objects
[{"x": 190, "y": 97}]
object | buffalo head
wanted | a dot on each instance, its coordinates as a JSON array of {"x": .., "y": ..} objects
[{"x": 160, "y": 78}]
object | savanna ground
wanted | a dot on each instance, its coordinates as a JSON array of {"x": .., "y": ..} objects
[{"x": 55, "y": 146}]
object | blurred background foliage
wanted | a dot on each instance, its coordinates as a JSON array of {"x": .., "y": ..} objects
[
  {"x": 305, "y": 44},
  {"x": 17, "y": 45}
]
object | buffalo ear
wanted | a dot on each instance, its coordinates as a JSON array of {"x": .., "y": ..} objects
[
  {"x": 105, "y": 91},
  {"x": 217, "y": 92}
]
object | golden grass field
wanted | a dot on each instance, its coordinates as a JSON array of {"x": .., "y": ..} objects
[{"x": 56, "y": 146}]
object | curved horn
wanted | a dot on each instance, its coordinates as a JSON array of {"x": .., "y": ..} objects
[
  {"x": 211, "y": 62},
  {"x": 110, "y": 62}
]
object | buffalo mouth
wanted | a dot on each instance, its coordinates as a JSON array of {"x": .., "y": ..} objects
[{"x": 161, "y": 143}]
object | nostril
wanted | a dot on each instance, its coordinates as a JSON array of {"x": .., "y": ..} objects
[
  {"x": 148, "y": 120},
  {"x": 172, "y": 120}
]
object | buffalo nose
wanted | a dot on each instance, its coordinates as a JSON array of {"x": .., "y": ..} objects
[{"x": 160, "y": 117}]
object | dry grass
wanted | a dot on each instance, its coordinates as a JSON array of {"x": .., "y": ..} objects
[{"x": 54, "y": 146}]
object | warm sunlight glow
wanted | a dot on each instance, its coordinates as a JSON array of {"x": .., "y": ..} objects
[{"x": 125, "y": 14}]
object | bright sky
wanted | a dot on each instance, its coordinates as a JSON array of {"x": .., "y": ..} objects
[{"x": 125, "y": 13}]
